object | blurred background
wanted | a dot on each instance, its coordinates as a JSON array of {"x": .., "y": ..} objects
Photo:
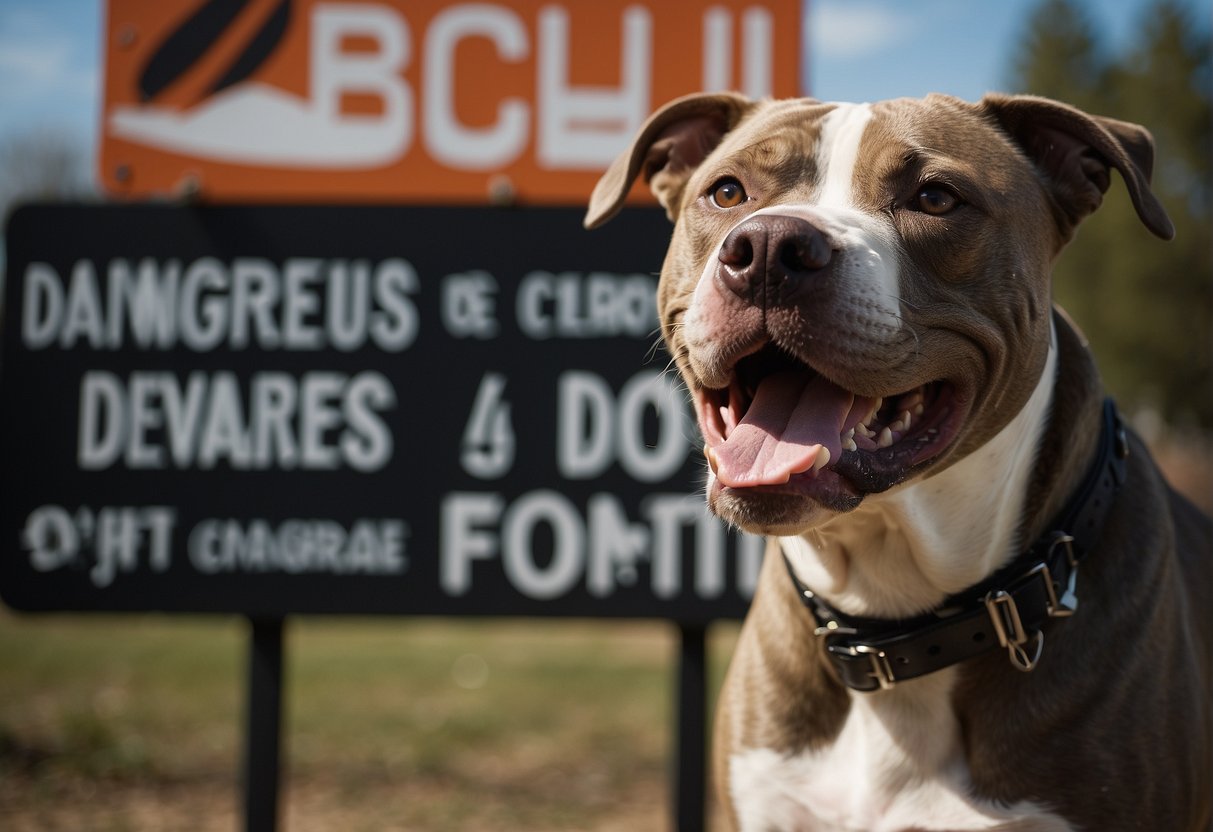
[{"x": 133, "y": 722}]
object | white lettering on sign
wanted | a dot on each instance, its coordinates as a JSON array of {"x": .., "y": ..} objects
[
  {"x": 368, "y": 547},
  {"x": 597, "y": 305},
  {"x": 153, "y": 420},
  {"x": 119, "y": 540},
  {"x": 469, "y": 305},
  {"x": 116, "y": 538},
  {"x": 585, "y": 128},
  {"x": 451, "y": 143},
  {"x": 360, "y": 139},
  {"x": 595, "y": 430},
  {"x": 203, "y": 304},
  {"x": 488, "y": 439},
  {"x": 601, "y": 549},
  {"x": 756, "y": 30},
  {"x": 465, "y": 538}
]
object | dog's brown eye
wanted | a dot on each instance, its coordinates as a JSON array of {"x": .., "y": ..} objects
[
  {"x": 935, "y": 200},
  {"x": 728, "y": 193}
]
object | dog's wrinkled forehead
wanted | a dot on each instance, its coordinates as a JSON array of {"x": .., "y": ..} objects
[
  {"x": 842, "y": 154},
  {"x": 787, "y": 146}
]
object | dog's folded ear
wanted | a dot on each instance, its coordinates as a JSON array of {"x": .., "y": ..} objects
[
  {"x": 668, "y": 148},
  {"x": 1075, "y": 152}
]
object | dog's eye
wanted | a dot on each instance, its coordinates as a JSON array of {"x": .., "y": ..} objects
[
  {"x": 935, "y": 200},
  {"x": 728, "y": 193}
]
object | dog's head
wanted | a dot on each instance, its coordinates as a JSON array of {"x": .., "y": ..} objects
[{"x": 858, "y": 295}]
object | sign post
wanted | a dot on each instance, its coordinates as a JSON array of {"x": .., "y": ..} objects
[
  {"x": 263, "y": 725},
  {"x": 691, "y": 776}
]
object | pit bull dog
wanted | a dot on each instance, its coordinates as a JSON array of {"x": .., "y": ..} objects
[{"x": 981, "y": 605}]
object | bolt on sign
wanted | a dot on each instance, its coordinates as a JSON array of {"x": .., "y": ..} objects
[{"x": 425, "y": 101}]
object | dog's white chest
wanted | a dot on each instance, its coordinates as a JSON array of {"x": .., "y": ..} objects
[{"x": 896, "y": 765}]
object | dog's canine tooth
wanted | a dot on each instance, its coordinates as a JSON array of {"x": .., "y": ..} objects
[
  {"x": 710, "y": 455},
  {"x": 822, "y": 460},
  {"x": 885, "y": 439}
]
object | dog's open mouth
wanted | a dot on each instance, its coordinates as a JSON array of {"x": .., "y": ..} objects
[{"x": 780, "y": 423}]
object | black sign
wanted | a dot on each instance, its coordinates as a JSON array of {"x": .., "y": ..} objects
[{"x": 273, "y": 410}]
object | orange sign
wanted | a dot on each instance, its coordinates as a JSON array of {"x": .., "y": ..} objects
[{"x": 412, "y": 100}]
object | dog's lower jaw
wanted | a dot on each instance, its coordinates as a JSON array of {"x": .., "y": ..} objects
[{"x": 780, "y": 514}]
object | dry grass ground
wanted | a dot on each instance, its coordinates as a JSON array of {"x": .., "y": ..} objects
[{"x": 134, "y": 723}]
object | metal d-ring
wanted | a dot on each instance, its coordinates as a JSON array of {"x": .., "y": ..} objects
[
  {"x": 1008, "y": 626},
  {"x": 1019, "y": 656}
]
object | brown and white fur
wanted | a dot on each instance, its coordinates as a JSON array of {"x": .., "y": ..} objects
[{"x": 900, "y": 252}]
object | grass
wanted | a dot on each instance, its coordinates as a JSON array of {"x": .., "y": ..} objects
[{"x": 135, "y": 722}]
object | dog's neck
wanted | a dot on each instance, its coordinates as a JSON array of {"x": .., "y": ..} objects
[{"x": 902, "y": 552}]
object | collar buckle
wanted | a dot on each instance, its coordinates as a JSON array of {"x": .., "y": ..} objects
[{"x": 882, "y": 670}]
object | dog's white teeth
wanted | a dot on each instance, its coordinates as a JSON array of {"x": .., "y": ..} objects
[
  {"x": 864, "y": 430},
  {"x": 710, "y": 455},
  {"x": 885, "y": 439},
  {"x": 919, "y": 409},
  {"x": 898, "y": 426},
  {"x": 848, "y": 442},
  {"x": 822, "y": 460},
  {"x": 875, "y": 409}
]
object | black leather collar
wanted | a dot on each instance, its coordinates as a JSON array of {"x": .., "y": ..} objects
[{"x": 1006, "y": 610}]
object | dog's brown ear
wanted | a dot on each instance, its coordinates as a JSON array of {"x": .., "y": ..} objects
[
  {"x": 1075, "y": 151},
  {"x": 669, "y": 146}
]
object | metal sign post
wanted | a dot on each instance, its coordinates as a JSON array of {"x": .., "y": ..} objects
[
  {"x": 261, "y": 776},
  {"x": 690, "y": 760}
]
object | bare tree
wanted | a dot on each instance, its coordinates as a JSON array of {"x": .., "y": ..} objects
[{"x": 41, "y": 164}]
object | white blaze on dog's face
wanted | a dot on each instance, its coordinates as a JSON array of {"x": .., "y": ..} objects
[{"x": 857, "y": 295}]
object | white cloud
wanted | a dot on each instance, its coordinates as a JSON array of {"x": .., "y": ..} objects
[{"x": 846, "y": 29}]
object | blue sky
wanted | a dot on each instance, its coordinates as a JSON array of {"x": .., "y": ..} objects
[{"x": 50, "y": 70}]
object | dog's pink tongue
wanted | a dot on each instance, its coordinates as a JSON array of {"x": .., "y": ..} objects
[{"x": 794, "y": 418}]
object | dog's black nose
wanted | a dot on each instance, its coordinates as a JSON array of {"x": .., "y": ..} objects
[{"x": 771, "y": 252}]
